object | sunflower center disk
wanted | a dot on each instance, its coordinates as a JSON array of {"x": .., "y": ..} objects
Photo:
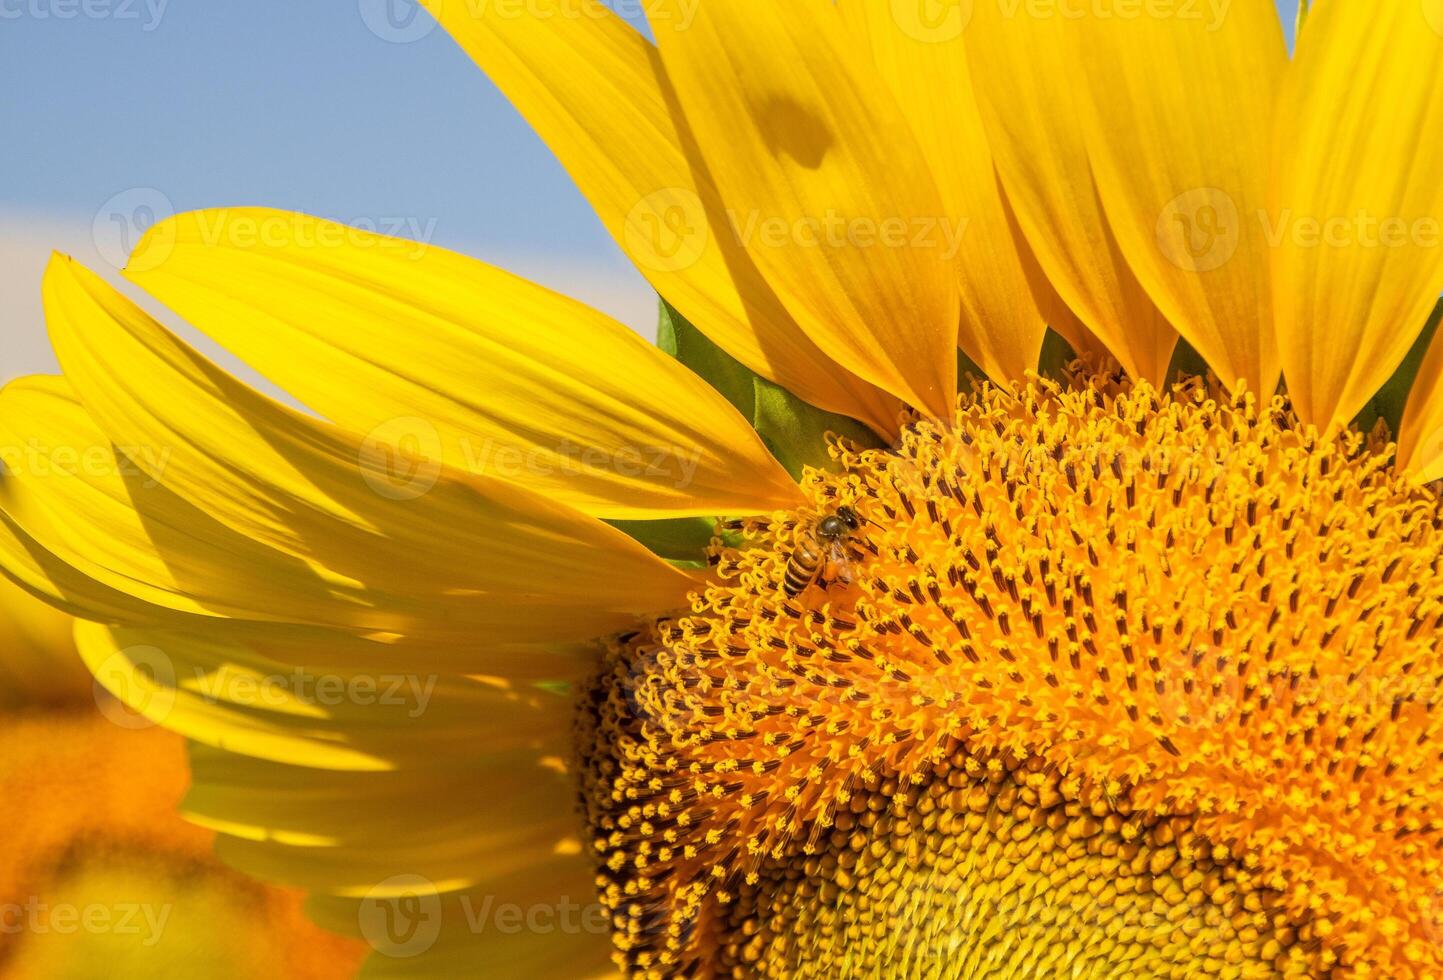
[{"x": 1104, "y": 680}]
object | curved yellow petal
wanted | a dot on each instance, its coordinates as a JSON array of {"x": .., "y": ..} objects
[
  {"x": 1179, "y": 131},
  {"x": 1420, "y": 434},
  {"x": 1358, "y": 202},
  {"x": 1024, "y": 79},
  {"x": 824, "y": 183},
  {"x": 100, "y": 517},
  {"x": 305, "y": 768},
  {"x": 386, "y": 336},
  {"x": 25, "y": 562},
  {"x": 231, "y": 504},
  {"x": 593, "y": 89},
  {"x": 926, "y": 70},
  {"x": 451, "y": 841},
  {"x": 342, "y": 716},
  {"x": 368, "y": 787},
  {"x": 346, "y": 832},
  {"x": 544, "y": 923},
  {"x": 367, "y": 791},
  {"x": 96, "y": 512}
]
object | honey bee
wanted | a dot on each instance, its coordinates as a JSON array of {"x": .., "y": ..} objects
[{"x": 823, "y": 543}]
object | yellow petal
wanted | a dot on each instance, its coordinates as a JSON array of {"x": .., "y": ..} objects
[
  {"x": 824, "y": 183},
  {"x": 231, "y": 504},
  {"x": 98, "y": 515},
  {"x": 1420, "y": 435},
  {"x": 342, "y": 716},
  {"x": 386, "y": 336},
  {"x": 544, "y": 923},
  {"x": 369, "y": 792},
  {"x": 345, "y": 832},
  {"x": 369, "y": 785},
  {"x": 25, "y": 562},
  {"x": 1030, "y": 101},
  {"x": 1358, "y": 212},
  {"x": 451, "y": 843},
  {"x": 1179, "y": 128},
  {"x": 593, "y": 89},
  {"x": 307, "y": 771},
  {"x": 1002, "y": 328}
]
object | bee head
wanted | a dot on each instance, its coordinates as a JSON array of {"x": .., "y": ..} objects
[{"x": 837, "y": 525}]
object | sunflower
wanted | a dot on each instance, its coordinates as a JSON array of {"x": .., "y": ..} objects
[
  {"x": 773, "y": 650},
  {"x": 98, "y": 874}
]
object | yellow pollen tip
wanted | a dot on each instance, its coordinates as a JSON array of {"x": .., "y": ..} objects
[{"x": 1103, "y": 679}]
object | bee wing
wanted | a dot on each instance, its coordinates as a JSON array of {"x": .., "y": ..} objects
[{"x": 841, "y": 565}]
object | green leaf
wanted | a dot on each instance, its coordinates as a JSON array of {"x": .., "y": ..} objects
[
  {"x": 1388, "y": 403},
  {"x": 1056, "y": 355},
  {"x": 1185, "y": 360},
  {"x": 682, "y": 541},
  {"x": 676, "y": 336},
  {"x": 793, "y": 430},
  {"x": 967, "y": 369},
  {"x": 796, "y": 432}
]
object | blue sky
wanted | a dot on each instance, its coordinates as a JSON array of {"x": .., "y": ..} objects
[{"x": 350, "y": 109}]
